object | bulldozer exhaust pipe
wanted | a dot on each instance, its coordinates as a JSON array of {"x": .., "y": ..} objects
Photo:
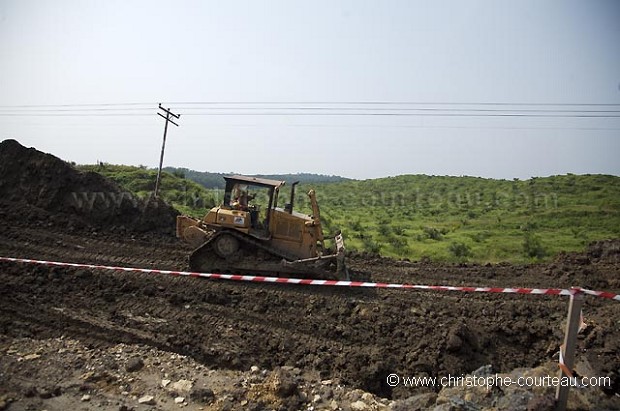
[{"x": 289, "y": 207}]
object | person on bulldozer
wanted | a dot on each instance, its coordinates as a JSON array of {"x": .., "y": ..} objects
[{"x": 241, "y": 198}]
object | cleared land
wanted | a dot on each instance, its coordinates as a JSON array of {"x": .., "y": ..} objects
[{"x": 354, "y": 337}]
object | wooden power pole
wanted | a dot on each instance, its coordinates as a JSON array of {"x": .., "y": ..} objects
[
  {"x": 567, "y": 358},
  {"x": 163, "y": 146}
]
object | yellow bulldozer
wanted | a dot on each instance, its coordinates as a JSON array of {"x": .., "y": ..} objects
[{"x": 250, "y": 234}]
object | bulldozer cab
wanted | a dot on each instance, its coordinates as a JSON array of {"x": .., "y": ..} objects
[
  {"x": 255, "y": 196},
  {"x": 251, "y": 206}
]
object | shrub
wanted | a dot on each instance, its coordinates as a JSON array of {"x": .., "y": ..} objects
[
  {"x": 480, "y": 236},
  {"x": 459, "y": 250},
  {"x": 356, "y": 225},
  {"x": 433, "y": 233},
  {"x": 532, "y": 246},
  {"x": 370, "y": 245},
  {"x": 384, "y": 229},
  {"x": 398, "y": 230},
  {"x": 399, "y": 244}
]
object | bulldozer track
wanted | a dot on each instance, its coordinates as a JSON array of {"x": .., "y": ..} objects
[
  {"x": 206, "y": 258},
  {"x": 30, "y": 243},
  {"x": 79, "y": 323}
]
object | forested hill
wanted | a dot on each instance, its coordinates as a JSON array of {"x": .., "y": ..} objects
[{"x": 216, "y": 180}]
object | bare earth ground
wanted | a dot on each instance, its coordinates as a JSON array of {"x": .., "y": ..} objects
[{"x": 67, "y": 335}]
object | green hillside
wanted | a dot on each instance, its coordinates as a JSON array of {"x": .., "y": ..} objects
[
  {"x": 441, "y": 218},
  {"x": 471, "y": 219},
  {"x": 185, "y": 195}
]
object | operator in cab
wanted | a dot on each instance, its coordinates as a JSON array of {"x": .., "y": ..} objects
[{"x": 240, "y": 197}]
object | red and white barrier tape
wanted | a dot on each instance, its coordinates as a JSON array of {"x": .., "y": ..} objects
[{"x": 337, "y": 283}]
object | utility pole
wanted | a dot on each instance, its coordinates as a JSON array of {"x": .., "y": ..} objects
[
  {"x": 567, "y": 350},
  {"x": 163, "y": 146}
]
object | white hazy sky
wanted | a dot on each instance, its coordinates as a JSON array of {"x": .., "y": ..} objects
[{"x": 440, "y": 54}]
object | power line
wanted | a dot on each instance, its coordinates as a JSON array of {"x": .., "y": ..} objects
[
  {"x": 395, "y": 114},
  {"x": 361, "y": 103},
  {"x": 387, "y": 126},
  {"x": 379, "y": 109},
  {"x": 359, "y": 125},
  {"x": 325, "y": 108},
  {"x": 76, "y": 105},
  {"x": 35, "y": 110},
  {"x": 345, "y": 114},
  {"x": 385, "y": 109},
  {"x": 499, "y": 103},
  {"x": 402, "y": 109},
  {"x": 74, "y": 115}
]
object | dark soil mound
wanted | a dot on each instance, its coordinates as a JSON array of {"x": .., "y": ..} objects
[
  {"x": 607, "y": 250},
  {"x": 32, "y": 179}
]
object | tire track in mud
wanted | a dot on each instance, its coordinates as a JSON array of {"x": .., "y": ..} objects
[
  {"x": 90, "y": 329},
  {"x": 35, "y": 244}
]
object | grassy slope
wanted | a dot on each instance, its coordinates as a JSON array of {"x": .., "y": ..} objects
[
  {"x": 443, "y": 218},
  {"x": 475, "y": 219},
  {"x": 185, "y": 195}
]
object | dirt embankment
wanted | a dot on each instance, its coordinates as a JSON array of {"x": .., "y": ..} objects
[{"x": 37, "y": 185}]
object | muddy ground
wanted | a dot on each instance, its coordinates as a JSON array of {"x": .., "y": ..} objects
[
  {"x": 355, "y": 337},
  {"x": 344, "y": 340}
]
